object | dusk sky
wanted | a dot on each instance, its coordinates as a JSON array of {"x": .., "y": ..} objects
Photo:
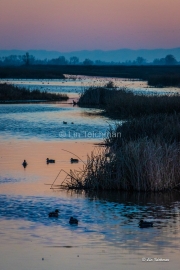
[{"x": 69, "y": 25}]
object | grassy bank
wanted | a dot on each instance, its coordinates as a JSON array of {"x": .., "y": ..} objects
[
  {"x": 145, "y": 158},
  {"x": 13, "y": 93},
  {"x": 125, "y": 104}
]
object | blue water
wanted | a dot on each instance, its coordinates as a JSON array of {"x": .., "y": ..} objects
[
  {"x": 116, "y": 220},
  {"x": 45, "y": 122},
  {"x": 106, "y": 219}
]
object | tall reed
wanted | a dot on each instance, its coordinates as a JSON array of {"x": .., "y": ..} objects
[
  {"x": 145, "y": 158},
  {"x": 122, "y": 103}
]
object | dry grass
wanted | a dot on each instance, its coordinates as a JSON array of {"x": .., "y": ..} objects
[
  {"x": 164, "y": 126},
  {"x": 141, "y": 165},
  {"x": 145, "y": 158},
  {"x": 125, "y": 104}
]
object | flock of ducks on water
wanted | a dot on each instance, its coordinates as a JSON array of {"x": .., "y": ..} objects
[
  {"x": 55, "y": 214},
  {"x": 48, "y": 160},
  {"x": 142, "y": 223},
  {"x": 72, "y": 220},
  {"x": 65, "y": 123}
]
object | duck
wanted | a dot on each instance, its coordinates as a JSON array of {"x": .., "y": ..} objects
[
  {"x": 74, "y": 103},
  {"x": 50, "y": 160},
  {"x": 64, "y": 122},
  {"x": 73, "y": 220},
  {"x": 74, "y": 160},
  {"x": 54, "y": 214},
  {"x": 145, "y": 224},
  {"x": 24, "y": 163}
]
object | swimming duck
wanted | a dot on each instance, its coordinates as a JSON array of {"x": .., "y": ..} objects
[
  {"x": 50, "y": 160},
  {"x": 73, "y": 220},
  {"x": 64, "y": 122},
  {"x": 74, "y": 160},
  {"x": 145, "y": 224},
  {"x": 54, "y": 214},
  {"x": 24, "y": 164}
]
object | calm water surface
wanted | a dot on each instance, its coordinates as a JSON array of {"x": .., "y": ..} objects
[{"x": 108, "y": 236}]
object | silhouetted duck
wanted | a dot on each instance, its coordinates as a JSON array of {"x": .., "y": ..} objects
[
  {"x": 64, "y": 122},
  {"x": 73, "y": 220},
  {"x": 54, "y": 214},
  {"x": 74, "y": 103},
  {"x": 24, "y": 164},
  {"x": 50, "y": 160},
  {"x": 74, "y": 160},
  {"x": 145, "y": 224}
]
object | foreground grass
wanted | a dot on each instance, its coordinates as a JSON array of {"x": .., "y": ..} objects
[
  {"x": 13, "y": 93},
  {"x": 125, "y": 104},
  {"x": 145, "y": 158}
]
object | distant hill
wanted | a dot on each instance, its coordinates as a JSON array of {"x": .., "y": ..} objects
[{"x": 121, "y": 55}]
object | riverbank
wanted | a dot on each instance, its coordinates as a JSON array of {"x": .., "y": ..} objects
[{"x": 158, "y": 76}]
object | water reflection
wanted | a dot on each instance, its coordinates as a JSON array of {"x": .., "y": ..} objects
[
  {"x": 46, "y": 122},
  {"x": 112, "y": 216}
]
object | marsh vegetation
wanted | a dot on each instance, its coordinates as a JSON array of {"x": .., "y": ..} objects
[
  {"x": 13, "y": 93},
  {"x": 156, "y": 75},
  {"x": 146, "y": 157},
  {"x": 124, "y": 104}
]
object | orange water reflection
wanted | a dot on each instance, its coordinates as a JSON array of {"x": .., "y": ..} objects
[{"x": 32, "y": 179}]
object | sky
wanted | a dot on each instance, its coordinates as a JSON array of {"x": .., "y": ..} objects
[{"x": 71, "y": 25}]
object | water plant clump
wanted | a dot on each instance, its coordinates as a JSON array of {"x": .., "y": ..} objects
[
  {"x": 148, "y": 160},
  {"x": 10, "y": 92},
  {"x": 123, "y": 103}
]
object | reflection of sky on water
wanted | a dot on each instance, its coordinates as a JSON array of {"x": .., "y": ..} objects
[
  {"x": 107, "y": 221},
  {"x": 76, "y": 84},
  {"x": 45, "y": 121},
  {"x": 112, "y": 222}
]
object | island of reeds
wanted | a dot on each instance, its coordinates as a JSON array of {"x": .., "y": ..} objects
[
  {"x": 13, "y": 94},
  {"x": 142, "y": 153}
]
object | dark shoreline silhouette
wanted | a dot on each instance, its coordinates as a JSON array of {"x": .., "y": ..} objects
[
  {"x": 13, "y": 94},
  {"x": 159, "y": 76}
]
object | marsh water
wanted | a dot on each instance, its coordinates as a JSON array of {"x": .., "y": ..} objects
[{"x": 107, "y": 236}]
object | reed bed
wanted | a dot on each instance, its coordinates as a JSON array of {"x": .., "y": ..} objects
[
  {"x": 145, "y": 158},
  {"x": 10, "y": 92},
  {"x": 142, "y": 165},
  {"x": 121, "y": 103},
  {"x": 165, "y": 127}
]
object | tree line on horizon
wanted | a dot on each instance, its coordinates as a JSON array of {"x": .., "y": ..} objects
[{"x": 27, "y": 59}]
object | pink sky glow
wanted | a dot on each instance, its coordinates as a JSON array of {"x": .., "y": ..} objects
[{"x": 68, "y": 25}]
